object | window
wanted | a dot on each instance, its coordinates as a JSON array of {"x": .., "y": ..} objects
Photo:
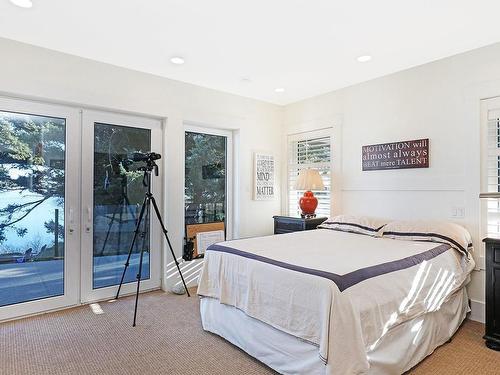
[
  {"x": 309, "y": 150},
  {"x": 32, "y": 200},
  {"x": 208, "y": 184},
  {"x": 491, "y": 165},
  {"x": 118, "y": 195}
]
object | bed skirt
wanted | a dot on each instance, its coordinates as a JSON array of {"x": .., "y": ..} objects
[{"x": 401, "y": 348}]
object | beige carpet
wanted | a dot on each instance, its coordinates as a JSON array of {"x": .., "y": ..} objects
[{"x": 169, "y": 340}]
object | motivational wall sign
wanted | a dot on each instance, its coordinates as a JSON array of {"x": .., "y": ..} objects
[
  {"x": 263, "y": 177},
  {"x": 396, "y": 155}
]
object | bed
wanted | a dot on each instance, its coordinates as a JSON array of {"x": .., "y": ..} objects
[{"x": 334, "y": 302}]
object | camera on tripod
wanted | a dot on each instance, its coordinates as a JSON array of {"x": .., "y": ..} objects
[
  {"x": 149, "y": 200},
  {"x": 147, "y": 157}
]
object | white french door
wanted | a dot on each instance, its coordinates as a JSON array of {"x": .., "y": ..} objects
[
  {"x": 39, "y": 205},
  {"x": 69, "y": 202},
  {"x": 208, "y": 179},
  {"x": 112, "y": 195}
]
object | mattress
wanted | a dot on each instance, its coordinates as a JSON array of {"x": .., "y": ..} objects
[{"x": 340, "y": 292}]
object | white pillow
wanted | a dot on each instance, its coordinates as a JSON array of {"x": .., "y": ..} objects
[
  {"x": 430, "y": 230},
  {"x": 370, "y": 226}
]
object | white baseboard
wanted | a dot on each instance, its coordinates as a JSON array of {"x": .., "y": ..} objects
[{"x": 477, "y": 314}]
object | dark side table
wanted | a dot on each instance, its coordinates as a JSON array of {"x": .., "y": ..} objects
[
  {"x": 492, "y": 326},
  {"x": 287, "y": 224}
]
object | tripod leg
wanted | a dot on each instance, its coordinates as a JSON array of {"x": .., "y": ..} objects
[
  {"x": 145, "y": 230},
  {"x": 110, "y": 225},
  {"x": 169, "y": 244},
  {"x": 137, "y": 228},
  {"x": 130, "y": 211},
  {"x": 120, "y": 224},
  {"x": 139, "y": 275}
]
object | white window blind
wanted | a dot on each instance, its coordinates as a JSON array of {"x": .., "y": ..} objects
[
  {"x": 491, "y": 172},
  {"x": 309, "y": 150}
]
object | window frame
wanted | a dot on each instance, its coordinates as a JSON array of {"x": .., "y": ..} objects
[
  {"x": 487, "y": 106},
  {"x": 89, "y": 118},
  {"x": 190, "y": 127},
  {"x": 305, "y": 135},
  {"x": 71, "y": 296}
]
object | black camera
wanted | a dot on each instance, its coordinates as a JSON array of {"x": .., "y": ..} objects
[{"x": 140, "y": 156}]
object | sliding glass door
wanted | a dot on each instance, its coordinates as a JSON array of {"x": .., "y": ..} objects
[
  {"x": 112, "y": 197},
  {"x": 39, "y": 193}
]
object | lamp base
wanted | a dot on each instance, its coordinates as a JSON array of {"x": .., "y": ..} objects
[
  {"x": 307, "y": 216},
  {"x": 308, "y": 204}
]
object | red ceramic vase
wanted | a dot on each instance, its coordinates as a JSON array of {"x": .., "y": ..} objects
[{"x": 308, "y": 203}]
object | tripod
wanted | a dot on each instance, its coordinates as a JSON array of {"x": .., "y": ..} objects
[
  {"x": 146, "y": 206},
  {"x": 124, "y": 205}
]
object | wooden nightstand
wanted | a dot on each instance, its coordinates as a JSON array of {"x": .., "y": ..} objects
[
  {"x": 492, "y": 329},
  {"x": 286, "y": 224}
]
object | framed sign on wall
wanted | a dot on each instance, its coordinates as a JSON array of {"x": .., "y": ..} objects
[
  {"x": 263, "y": 177},
  {"x": 396, "y": 155}
]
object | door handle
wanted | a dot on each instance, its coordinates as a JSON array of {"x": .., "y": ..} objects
[
  {"x": 88, "y": 227},
  {"x": 71, "y": 220}
]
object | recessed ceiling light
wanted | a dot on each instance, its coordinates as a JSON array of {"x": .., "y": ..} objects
[
  {"x": 364, "y": 58},
  {"x": 22, "y": 3},
  {"x": 279, "y": 90},
  {"x": 177, "y": 60}
]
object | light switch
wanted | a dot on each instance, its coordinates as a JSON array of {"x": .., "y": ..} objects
[{"x": 458, "y": 212}]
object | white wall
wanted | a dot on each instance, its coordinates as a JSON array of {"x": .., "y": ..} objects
[
  {"x": 32, "y": 72},
  {"x": 440, "y": 101}
]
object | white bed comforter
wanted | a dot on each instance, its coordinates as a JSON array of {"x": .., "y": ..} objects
[{"x": 346, "y": 317}]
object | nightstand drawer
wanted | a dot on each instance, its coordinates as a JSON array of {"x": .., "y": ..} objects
[
  {"x": 289, "y": 226},
  {"x": 496, "y": 255}
]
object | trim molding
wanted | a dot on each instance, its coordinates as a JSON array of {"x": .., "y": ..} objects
[
  {"x": 412, "y": 189},
  {"x": 477, "y": 314}
]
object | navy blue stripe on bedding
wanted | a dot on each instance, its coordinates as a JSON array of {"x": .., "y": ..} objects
[
  {"x": 349, "y": 279},
  {"x": 430, "y": 235},
  {"x": 354, "y": 225}
]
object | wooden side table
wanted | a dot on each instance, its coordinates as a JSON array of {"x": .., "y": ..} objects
[
  {"x": 492, "y": 326},
  {"x": 287, "y": 224}
]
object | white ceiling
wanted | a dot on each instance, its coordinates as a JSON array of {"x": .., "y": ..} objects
[{"x": 308, "y": 47}]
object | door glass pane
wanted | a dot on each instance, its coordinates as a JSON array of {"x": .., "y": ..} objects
[
  {"x": 118, "y": 196},
  {"x": 205, "y": 185},
  {"x": 32, "y": 193}
]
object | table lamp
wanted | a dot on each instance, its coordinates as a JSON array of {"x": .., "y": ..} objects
[{"x": 309, "y": 179}]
